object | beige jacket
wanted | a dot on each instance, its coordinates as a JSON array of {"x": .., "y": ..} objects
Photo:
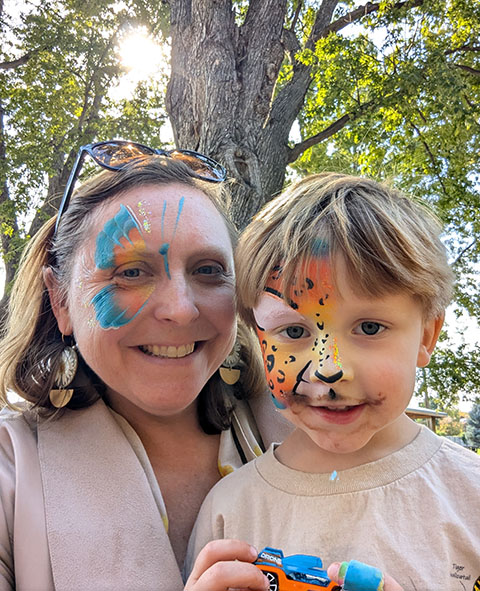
[{"x": 79, "y": 505}]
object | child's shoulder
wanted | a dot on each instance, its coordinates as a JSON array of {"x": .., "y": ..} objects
[
  {"x": 458, "y": 453},
  {"x": 455, "y": 465}
]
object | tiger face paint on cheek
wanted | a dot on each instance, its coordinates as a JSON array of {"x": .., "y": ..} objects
[
  {"x": 119, "y": 243},
  {"x": 294, "y": 331}
]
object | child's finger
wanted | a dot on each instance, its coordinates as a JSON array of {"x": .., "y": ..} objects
[
  {"x": 367, "y": 581},
  {"x": 224, "y": 564}
]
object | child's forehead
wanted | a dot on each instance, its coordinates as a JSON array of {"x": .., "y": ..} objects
[{"x": 313, "y": 274}]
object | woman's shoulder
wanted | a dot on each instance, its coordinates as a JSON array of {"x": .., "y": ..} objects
[{"x": 17, "y": 417}]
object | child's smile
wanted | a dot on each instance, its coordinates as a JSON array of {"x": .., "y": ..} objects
[{"x": 341, "y": 364}]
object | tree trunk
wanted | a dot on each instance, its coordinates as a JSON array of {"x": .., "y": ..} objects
[{"x": 221, "y": 89}]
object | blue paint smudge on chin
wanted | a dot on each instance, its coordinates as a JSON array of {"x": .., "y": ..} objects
[
  {"x": 109, "y": 314},
  {"x": 116, "y": 228}
]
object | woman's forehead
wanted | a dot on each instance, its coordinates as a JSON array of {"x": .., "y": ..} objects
[{"x": 160, "y": 215}]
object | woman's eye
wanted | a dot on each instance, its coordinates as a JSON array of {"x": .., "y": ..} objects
[
  {"x": 295, "y": 332},
  {"x": 371, "y": 328},
  {"x": 209, "y": 270},
  {"x": 131, "y": 273}
]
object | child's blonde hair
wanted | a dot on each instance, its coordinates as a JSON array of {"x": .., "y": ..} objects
[{"x": 389, "y": 242}]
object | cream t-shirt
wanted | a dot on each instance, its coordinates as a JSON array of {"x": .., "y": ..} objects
[{"x": 415, "y": 514}]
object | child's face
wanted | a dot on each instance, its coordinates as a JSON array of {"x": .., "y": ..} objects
[{"x": 341, "y": 364}]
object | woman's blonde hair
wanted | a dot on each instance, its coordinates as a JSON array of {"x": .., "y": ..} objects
[
  {"x": 31, "y": 343},
  {"x": 389, "y": 242}
]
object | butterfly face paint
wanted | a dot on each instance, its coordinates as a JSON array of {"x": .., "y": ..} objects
[
  {"x": 119, "y": 243},
  {"x": 294, "y": 333}
]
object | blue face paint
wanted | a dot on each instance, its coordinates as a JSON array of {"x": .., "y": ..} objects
[
  {"x": 110, "y": 238},
  {"x": 166, "y": 245},
  {"x": 319, "y": 248},
  {"x": 277, "y": 403},
  {"x": 109, "y": 313},
  {"x": 120, "y": 240}
]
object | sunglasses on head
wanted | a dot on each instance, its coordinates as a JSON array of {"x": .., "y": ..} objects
[{"x": 116, "y": 154}]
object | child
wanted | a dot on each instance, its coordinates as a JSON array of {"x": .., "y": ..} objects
[{"x": 346, "y": 282}]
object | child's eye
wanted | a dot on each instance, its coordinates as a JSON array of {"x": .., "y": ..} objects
[
  {"x": 370, "y": 328},
  {"x": 295, "y": 332}
]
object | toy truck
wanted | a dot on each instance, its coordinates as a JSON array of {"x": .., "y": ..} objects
[{"x": 299, "y": 572}]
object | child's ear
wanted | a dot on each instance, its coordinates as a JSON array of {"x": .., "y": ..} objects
[
  {"x": 57, "y": 301},
  {"x": 431, "y": 330}
]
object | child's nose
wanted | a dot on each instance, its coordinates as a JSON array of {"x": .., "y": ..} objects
[{"x": 328, "y": 368}]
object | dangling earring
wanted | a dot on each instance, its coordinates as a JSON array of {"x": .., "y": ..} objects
[
  {"x": 228, "y": 372},
  {"x": 61, "y": 395}
]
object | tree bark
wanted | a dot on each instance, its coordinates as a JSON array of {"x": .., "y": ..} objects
[{"x": 221, "y": 89}]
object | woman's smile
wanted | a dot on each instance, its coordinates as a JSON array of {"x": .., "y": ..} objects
[{"x": 170, "y": 351}]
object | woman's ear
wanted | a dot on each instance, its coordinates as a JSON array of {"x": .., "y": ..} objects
[
  {"x": 57, "y": 301},
  {"x": 431, "y": 331}
]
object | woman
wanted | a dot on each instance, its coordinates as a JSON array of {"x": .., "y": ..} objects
[{"x": 121, "y": 315}]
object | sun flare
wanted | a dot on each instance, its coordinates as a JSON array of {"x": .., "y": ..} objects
[{"x": 141, "y": 55}]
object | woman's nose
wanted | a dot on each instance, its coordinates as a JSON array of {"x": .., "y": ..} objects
[{"x": 174, "y": 300}]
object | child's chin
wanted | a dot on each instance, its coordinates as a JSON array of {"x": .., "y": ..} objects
[{"x": 337, "y": 443}]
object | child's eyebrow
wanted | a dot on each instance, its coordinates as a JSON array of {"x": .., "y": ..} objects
[
  {"x": 274, "y": 292},
  {"x": 280, "y": 310},
  {"x": 280, "y": 295}
]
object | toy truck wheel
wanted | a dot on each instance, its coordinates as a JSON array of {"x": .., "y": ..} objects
[{"x": 272, "y": 579}]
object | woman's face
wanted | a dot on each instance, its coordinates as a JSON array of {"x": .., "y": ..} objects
[{"x": 151, "y": 300}]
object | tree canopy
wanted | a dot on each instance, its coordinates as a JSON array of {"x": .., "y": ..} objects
[{"x": 270, "y": 88}]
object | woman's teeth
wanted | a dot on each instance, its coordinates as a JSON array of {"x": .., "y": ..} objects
[{"x": 170, "y": 351}]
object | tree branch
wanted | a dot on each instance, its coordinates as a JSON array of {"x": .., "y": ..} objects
[
  {"x": 10, "y": 65},
  {"x": 296, "y": 15},
  {"x": 290, "y": 98},
  {"x": 430, "y": 155},
  {"x": 325, "y": 10},
  {"x": 468, "y": 69},
  {"x": 332, "y": 129},
  {"x": 15, "y": 63},
  {"x": 362, "y": 11},
  {"x": 463, "y": 48},
  {"x": 463, "y": 251}
]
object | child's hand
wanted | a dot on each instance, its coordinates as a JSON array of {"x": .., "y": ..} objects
[
  {"x": 226, "y": 564},
  {"x": 388, "y": 583}
]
